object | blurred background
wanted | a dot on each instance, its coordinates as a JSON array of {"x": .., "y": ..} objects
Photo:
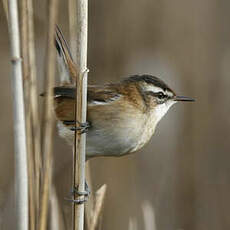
[{"x": 181, "y": 179}]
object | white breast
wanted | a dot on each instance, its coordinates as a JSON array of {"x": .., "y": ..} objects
[{"x": 151, "y": 122}]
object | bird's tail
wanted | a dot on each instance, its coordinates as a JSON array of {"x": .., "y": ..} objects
[{"x": 67, "y": 67}]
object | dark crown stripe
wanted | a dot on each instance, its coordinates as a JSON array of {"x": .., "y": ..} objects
[{"x": 149, "y": 79}]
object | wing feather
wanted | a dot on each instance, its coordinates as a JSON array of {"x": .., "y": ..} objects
[{"x": 95, "y": 96}]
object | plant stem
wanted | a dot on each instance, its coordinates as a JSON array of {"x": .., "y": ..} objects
[
  {"x": 80, "y": 111},
  {"x": 34, "y": 102},
  {"x": 21, "y": 168},
  {"x": 49, "y": 116}
]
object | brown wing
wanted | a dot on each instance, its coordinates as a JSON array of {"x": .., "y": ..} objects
[
  {"x": 95, "y": 94},
  {"x": 64, "y": 97},
  {"x": 102, "y": 95}
]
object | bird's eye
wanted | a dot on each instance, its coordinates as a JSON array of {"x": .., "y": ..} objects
[{"x": 160, "y": 95}]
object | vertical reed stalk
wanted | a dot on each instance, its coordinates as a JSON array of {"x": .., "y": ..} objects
[
  {"x": 32, "y": 112},
  {"x": 21, "y": 173},
  {"x": 80, "y": 111},
  {"x": 89, "y": 206},
  {"x": 73, "y": 47},
  {"x": 26, "y": 83},
  {"x": 49, "y": 116},
  {"x": 34, "y": 103},
  {"x": 32, "y": 203},
  {"x": 5, "y": 7}
]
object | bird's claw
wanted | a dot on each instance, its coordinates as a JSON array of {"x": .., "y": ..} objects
[
  {"x": 77, "y": 201},
  {"x": 83, "y": 127},
  {"x": 75, "y": 191},
  {"x": 79, "y": 193}
]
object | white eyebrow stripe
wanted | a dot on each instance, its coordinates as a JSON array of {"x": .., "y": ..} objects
[
  {"x": 170, "y": 94},
  {"x": 154, "y": 89}
]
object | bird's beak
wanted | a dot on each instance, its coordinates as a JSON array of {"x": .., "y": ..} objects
[{"x": 182, "y": 98}]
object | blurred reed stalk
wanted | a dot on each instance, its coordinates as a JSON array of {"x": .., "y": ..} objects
[
  {"x": 32, "y": 110},
  {"x": 34, "y": 103},
  {"x": 97, "y": 210},
  {"x": 21, "y": 164},
  {"x": 5, "y": 7},
  {"x": 78, "y": 35},
  {"x": 148, "y": 218},
  {"x": 48, "y": 115},
  {"x": 26, "y": 81},
  {"x": 80, "y": 113},
  {"x": 56, "y": 214}
]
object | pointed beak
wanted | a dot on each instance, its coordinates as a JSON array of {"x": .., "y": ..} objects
[{"x": 182, "y": 98}]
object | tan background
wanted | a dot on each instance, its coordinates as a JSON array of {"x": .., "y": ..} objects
[{"x": 184, "y": 171}]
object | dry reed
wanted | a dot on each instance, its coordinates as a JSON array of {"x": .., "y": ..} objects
[
  {"x": 29, "y": 134},
  {"x": 21, "y": 167},
  {"x": 80, "y": 112},
  {"x": 78, "y": 37},
  {"x": 35, "y": 119},
  {"x": 49, "y": 116}
]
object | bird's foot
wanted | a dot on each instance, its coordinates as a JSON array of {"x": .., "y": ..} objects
[
  {"x": 83, "y": 127},
  {"x": 77, "y": 201},
  {"x": 75, "y": 191}
]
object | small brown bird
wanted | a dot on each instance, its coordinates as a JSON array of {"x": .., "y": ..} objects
[{"x": 122, "y": 116}]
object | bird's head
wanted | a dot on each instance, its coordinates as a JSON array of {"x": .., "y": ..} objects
[{"x": 157, "y": 96}]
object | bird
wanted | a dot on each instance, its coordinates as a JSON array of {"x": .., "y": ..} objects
[{"x": 121, "y": 117}]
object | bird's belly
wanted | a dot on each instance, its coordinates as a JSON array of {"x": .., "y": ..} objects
[
  {"x": 118, "y": 141},
  {"x": 101, "y": 142},
  {"x": 115, "y": 141},
  {"x": 105, "y": 143}
]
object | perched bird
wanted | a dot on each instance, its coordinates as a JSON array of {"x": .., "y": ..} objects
[{"x": 122, "y": 116}]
